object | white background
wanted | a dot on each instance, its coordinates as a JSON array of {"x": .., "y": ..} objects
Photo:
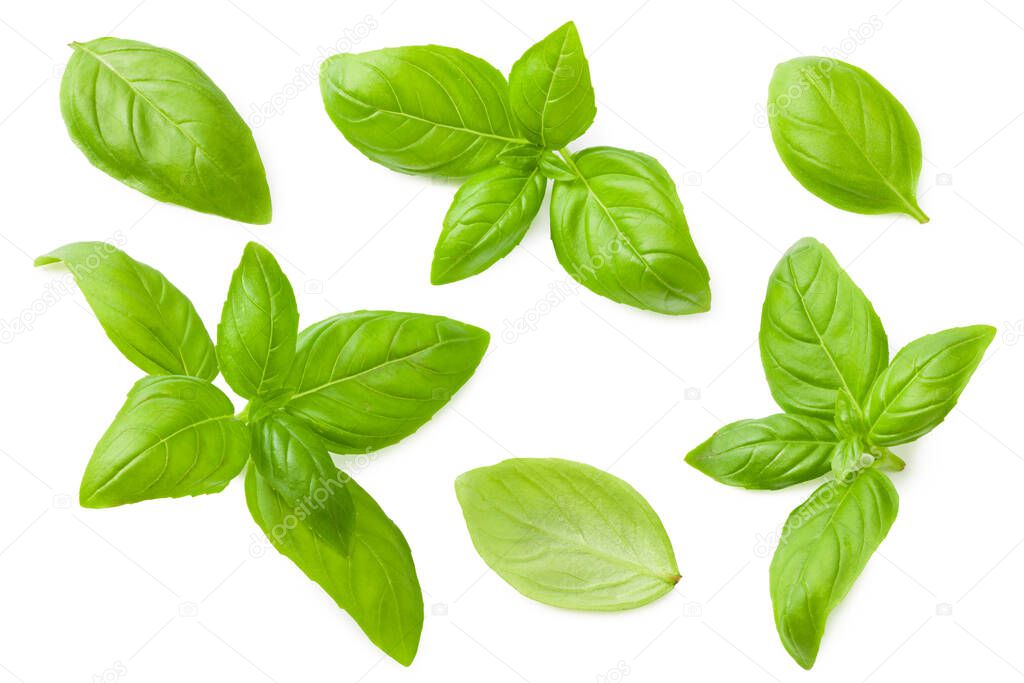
[{"x": 168, "y": 590}]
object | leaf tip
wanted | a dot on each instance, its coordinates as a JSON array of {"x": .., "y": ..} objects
[{"x": 45, "y": 260}]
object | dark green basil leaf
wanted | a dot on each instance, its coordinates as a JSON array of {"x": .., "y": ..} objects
[
  {"x": 555, "y": 167},
  {"x": 152, "y": 119}
]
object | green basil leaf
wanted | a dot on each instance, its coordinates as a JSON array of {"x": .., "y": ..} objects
[
  {"x": 258, "y": 326},
  {"x": 522, "y": 157},
  {"x": 367, "y": 380},
  {"x": 550, "y": 90},
  {"x": 149, "y": 320},
  {"x": 375, "y": 582},
  {"x": 819, "y": 333},
  {"x": 769, "y": 453},
  {"x": 849, "y": 459},
  {"x": 567, "y": 534},
  {"x": 422, "y": 109},
  {"x": 152, "y": 119},
  {"x": 619, "y": 230},
  {"x": 824, "y": 546},
  {"x": 554, "y": 167},
  {"x": 488, "y": 217},
  {"x": 923, "y": 383},
  {"x": 850, "y": 419},
  {"x": 175, "y": 436},
  {"x": 845, "y": 137}
]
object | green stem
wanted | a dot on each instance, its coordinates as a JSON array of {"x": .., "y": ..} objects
[{"x": 887, "y": 460}]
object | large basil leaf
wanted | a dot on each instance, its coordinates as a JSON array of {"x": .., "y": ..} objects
[
  {"x": 769, "y": 453},
  {"x": 421, "y": 109},
  {"x": 375, "y": 583},
  {"x": 819, "y": 333},
  {"x": 619, "y": 230},
  {"x": 550, "y": 90},
  {"x": 567, "y": 534},
  {"x": 149, "y": 320},
  {"x": 844, "y": 137},
  {"x": 175, "y": 436},
  {"x": 488, "y": 217},
  {"x": 368, "y": 379},
  {"x": 824, "y": 546},
  {"x": 152, "y": 119},
  {"x": 923, "y": 382}
]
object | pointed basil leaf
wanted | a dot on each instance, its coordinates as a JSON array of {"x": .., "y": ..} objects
[
  {"x": 819, "y": 333},
  {"x": 923, "y": 383},
  {"x": 520, "y": 156},
  {"x": 554, "y": 167},
  {"x": 567, "y": 534},
  {"x": 849, "y": 417},
  {"x": 619, "y": 230},
  {"x": 152, "y": 323},
  {"x": 849, "y": 459},
  {"x": 152, "y": 119},
  {"x": 824, "y": 546},
  {"x": 175, "y": 436}
]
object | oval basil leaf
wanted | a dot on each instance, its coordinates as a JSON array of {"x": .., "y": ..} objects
[
  {"x": 819, "y": 333},
  {"x": 421, "y": 109},
  {"x": 488, "y": 217},
  {"x": 550, "y": 90},
  {"x": 366, "y": 380},
  {"x": 175, "y": 436},
  {"x": 555, "y": 167},
  {"x": 844, "y": 137},
  {"x": 520, "y": 156},
  {"x": 619, "y": 230},
  {"x": 149, "y": 320},
  {"x": 768, "y": 453},
  {"x": 567, "y": 534},
  {"x": 152, "y": 119},
  {"x": 824, "y": 546},
  {"x": 923, "y": 382}
]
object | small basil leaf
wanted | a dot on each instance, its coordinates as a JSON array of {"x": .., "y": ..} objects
[
  {"x": 849, "y": 416},
  {"x": 619, "y": 230},
  {"x": 819, "y": 333},
  {"x": 768, "y": 453},
  {"x": 550, "y": 90},
  {"x": 567, "y": 534},
  {"x": 824, "y": 546},
  {"x": 149, "y": 320},
  {"x": 923, "y": 383},
  {"x": 488, "y": 217},
  {"x": 366, "y": 380},
  {"x": 849, "y": 459},
  {"x": 175, "y": 436},
  {"x": 554, "y": 167},
  {"x": 152, "y": 119},
  {"x": 522, "y": 157},
  {"x": 845, "y": 137}
]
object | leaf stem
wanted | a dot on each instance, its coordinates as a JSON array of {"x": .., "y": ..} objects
[{"x": 887, "y": 460}]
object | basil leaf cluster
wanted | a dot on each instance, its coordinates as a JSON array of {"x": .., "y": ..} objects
[
  {"x": 826, "y": 359},
  {"x": 353, "y": 383}
]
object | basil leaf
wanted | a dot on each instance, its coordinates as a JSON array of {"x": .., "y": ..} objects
[
  {"x": 554, "y": 167},
  {"x": 522, "y": 157},
  {"x": 619, "y": 230},
  {"x": 567, "y": 534},
  {"x": 845, "y": 137},
  {"x": 923, "y": 383},
  {"x": 375, "y": 583},
  {"x": 488, "y": 217},
  {"x": 769, "y": 453},
  {"x": 819, "y": 333},
  {"x": 258, "y": 326},
  {"x": 550, "y": 90},
  {"x": 175, "y": 436},
  {"x": 149, "y": 320},
  {"x": 367, "y": 380},
  {"x": 849, "y": 459},
  {"x": 152, "y": 119},
  {"x": 849, "y": 417},
  {"x": 824, "y": 546},
  {"x": 422, "y": 109}
]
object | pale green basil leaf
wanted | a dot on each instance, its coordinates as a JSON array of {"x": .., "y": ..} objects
[
  {"x": 849, "y": 417},
  {"x": 923, "y": 382},
  {"x": 550, "y": 90},
  {"x": 824, "y": 546},
  {"x": 768, "y": 453},
  {"x": 368, "y": 379},
  {"x": 152, "y": 119},
  {"x": 619, "y": 230},
  {"x": 819, "y": 333},
  {"x": 567, "y": 534},
  {"x": 849, "y": 459},
  {"x": 844, "y": 137},
  {"x": 149, "y": 320},
  {"x": 520, "y": 156},
  {"x": 488, "y": 217},
  {"x": 555, "y": 167},
  {"x": 175, "y": 436},
  {"x": 420, "y": 109}
]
